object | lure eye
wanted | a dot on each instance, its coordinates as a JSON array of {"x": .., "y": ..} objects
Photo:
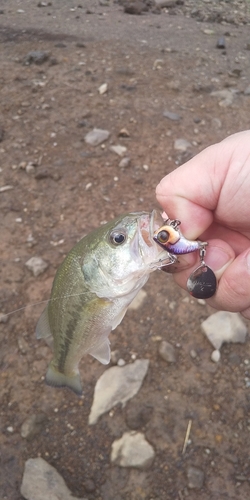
[
  {"x": 117, "y": 237},
  {"x": 163, "y": 236}
]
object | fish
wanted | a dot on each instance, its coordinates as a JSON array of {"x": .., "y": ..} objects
[{"x": 92, "y": 290}]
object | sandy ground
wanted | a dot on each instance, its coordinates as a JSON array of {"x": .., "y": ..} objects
[{"x": 151, "y": 63}]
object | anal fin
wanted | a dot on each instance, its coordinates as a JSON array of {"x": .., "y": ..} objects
[{"x": 102, "y": 352}]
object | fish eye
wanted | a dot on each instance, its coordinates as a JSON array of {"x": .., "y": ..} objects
[
  {"x": 163, "y": 236},
  {"x": 117, "y": 237}
]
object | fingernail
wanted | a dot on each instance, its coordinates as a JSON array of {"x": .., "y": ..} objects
[{"x": 217, "y": 258}]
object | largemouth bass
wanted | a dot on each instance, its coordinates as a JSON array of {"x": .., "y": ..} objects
[{"x": 93, "y": 288}]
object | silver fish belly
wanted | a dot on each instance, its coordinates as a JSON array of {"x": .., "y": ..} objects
[{"x": 92, "y": 290}]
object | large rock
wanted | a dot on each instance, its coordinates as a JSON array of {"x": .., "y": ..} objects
[
  {"x": 224, "y": 326},
  {"x": 117, "y": 385},
  {"x": 41, "y": 481},
  {"x": 132, "y": 450}
]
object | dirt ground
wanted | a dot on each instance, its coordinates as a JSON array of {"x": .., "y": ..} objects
[{"x": 61, "y": 188}]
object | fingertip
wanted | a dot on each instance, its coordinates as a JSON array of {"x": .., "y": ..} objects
[{"x": 233, "y": 293}]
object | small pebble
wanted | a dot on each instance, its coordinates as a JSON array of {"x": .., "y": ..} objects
[
  {"x": 193, "y": 354},
  {"x": 29, "y": 168},
  {"x": 121, "y": 362},
  {"x": 135, "y": 8},
  {"x": 36, "y": 57},
  {"x": 3, "y": 318},
  {"x": 36, "y": 265},
  {"x": 33, "y": 425},
  {"x": 195, "y": 478},
  {"x": 221, "y": 43},
  {"x": 123, "y": 133},
  {"x": 103, "y": 89},
  {"x": 202, "y": 302},
  {"x": 118, "y": 149},
  {"x": 96, "y": 136},
  {"x": 215, "y": 356},
  {"x": 172, "y": 116},
  {"x": 182, "y": 145},
  {"x": 132, "y": 450},
  {"x": 89, "y": 485},
  {"x": 167, "y": 352},
  {"x": 115, "y": 356},
  {"x": 124, "y": 163}
]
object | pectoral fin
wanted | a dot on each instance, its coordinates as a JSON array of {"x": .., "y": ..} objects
[
  {"x": 102, "y": 352},
  {"x": 43, "y": 327},
  {"x": 118, "y": 319}
]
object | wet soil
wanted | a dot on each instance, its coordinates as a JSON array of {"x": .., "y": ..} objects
[{"x": 152, "y": 63}]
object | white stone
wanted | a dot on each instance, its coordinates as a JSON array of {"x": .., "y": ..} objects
[
  {"x": 202, "y": 302},
  {"x": 30, "y": 169},
  {"x": 124, "y": 162},
  {"x": 226, "y": 95},
  {"x": 96, "y": 136},
  {"x": 215, "y": 356},
  {"x": 182, "y": 145},
  {"x": 118, "y": 149},
  {"x": 224, "y": 326},
  {"x": 37, "y": 265},
  {"x": 41, "y": 481},
  {"x": 138, "y": 300},
  {"x": 132, "y": 450},
  {"x": 117, "y": 385},
  {"x": 121, "y": 362},
  {"x": 103, "y": 88}
]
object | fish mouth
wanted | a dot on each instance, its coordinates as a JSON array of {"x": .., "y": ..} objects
[{"x": 148, "y": 224}]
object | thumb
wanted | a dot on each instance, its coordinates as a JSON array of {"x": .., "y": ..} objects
[{"x": 233, "y": 293}]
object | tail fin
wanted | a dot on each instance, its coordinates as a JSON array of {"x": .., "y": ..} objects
[{"x": 57, "y": 379}]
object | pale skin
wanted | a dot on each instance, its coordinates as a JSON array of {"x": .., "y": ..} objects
[{"x": 210, "y": 194}]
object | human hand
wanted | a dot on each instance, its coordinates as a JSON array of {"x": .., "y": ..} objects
[{"x": 210, "y": 195}]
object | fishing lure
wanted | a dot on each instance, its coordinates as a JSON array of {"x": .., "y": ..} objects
[{"x": 202, "y": 283}]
